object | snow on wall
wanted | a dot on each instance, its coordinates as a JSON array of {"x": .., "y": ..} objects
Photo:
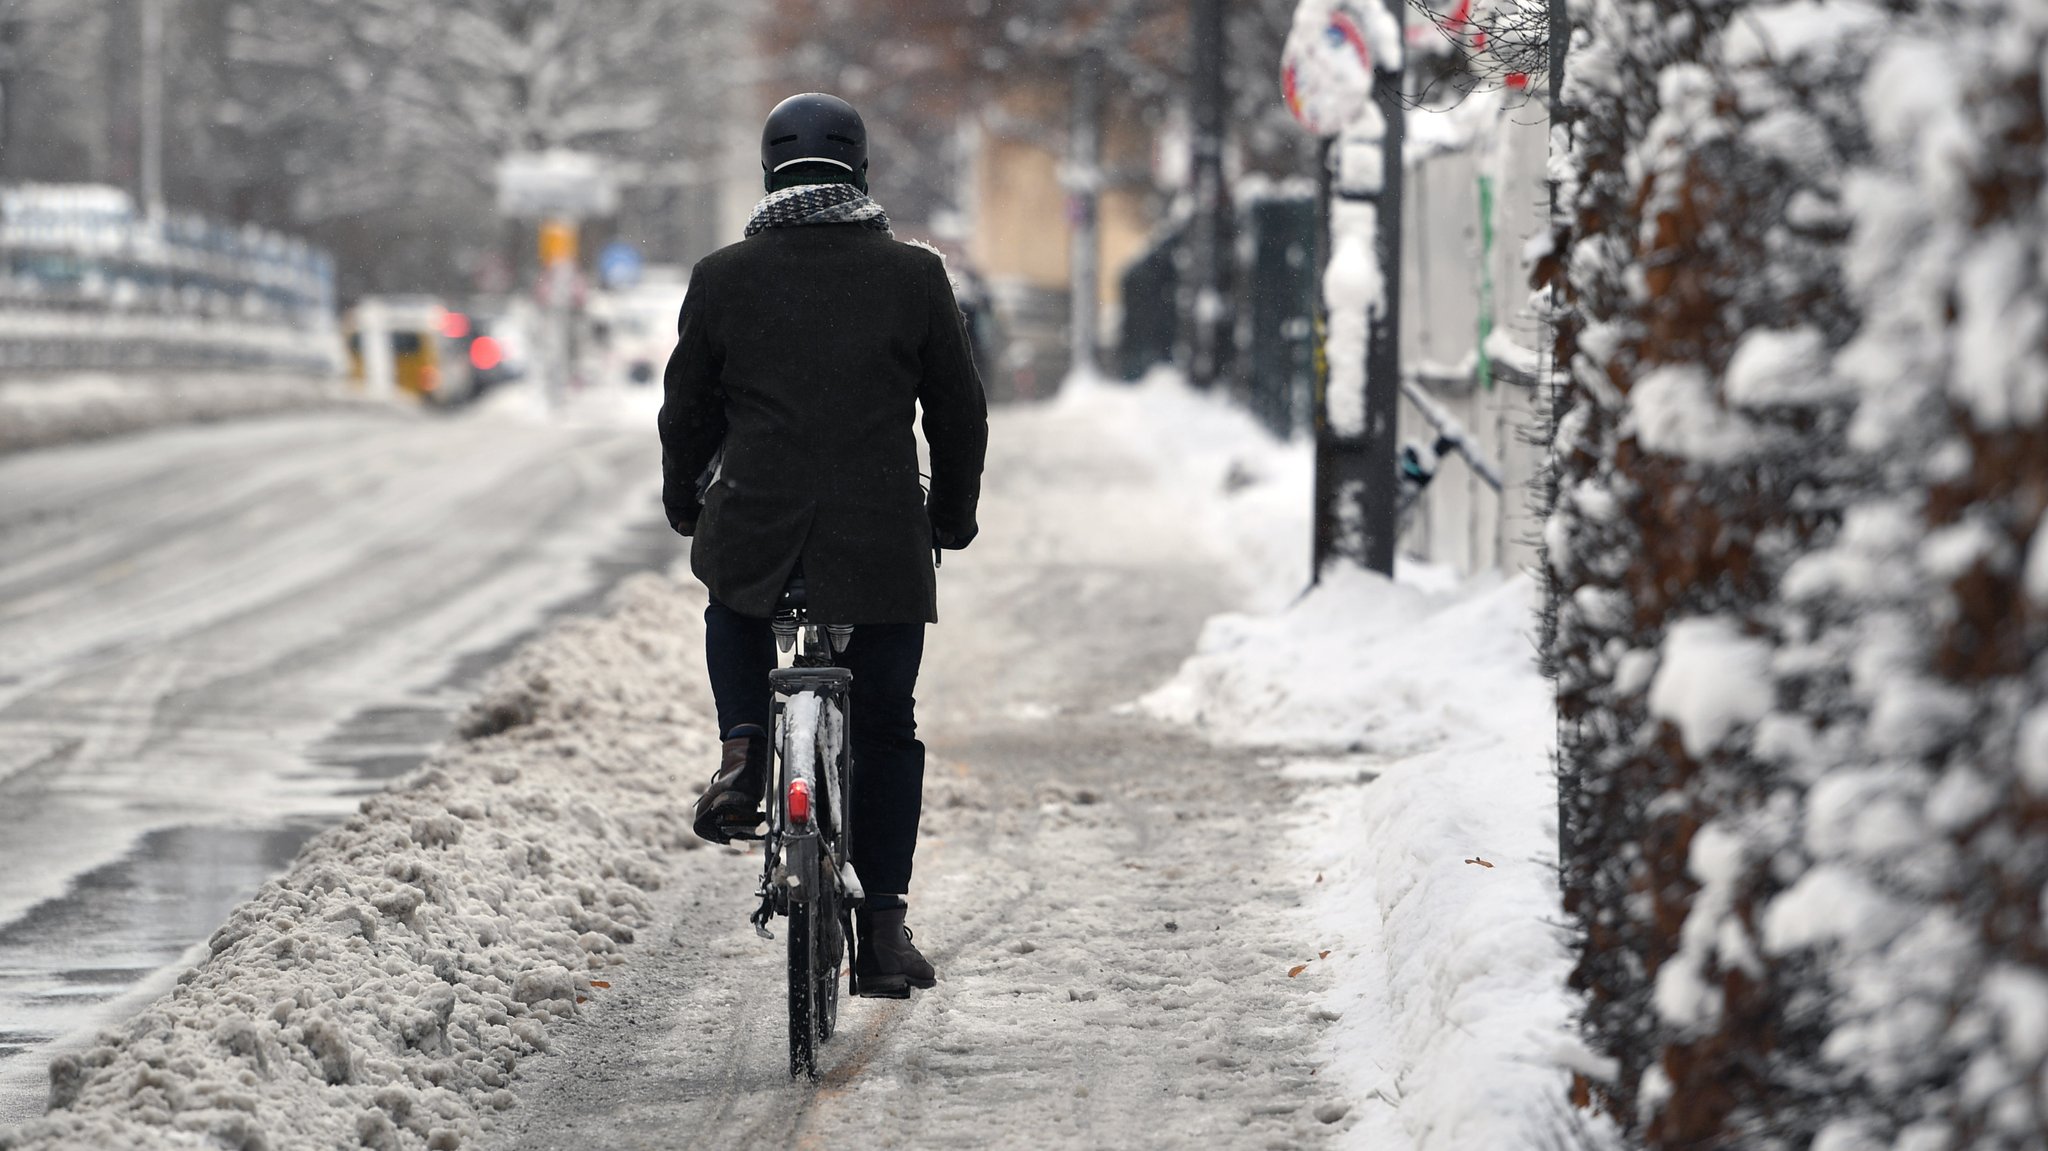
[
  {"x": 1460, "y": 520},
  {"x": 382, "y": 993},
  {"x": 1802, "y": 460}
]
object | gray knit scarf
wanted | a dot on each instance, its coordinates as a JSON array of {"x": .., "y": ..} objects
[{"x": 817, "y": 204}]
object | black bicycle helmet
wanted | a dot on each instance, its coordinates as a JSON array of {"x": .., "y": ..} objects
[{"x": 814, "y": 128}]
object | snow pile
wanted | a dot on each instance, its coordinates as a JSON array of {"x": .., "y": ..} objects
[
  {"x": 382, "y": 992},
  {"x": 1249, "y": 493},
  {"x": 1452, "y": 1022},
  {"x": 1436, "y": 879},
  {"x": 60, "y": 409},
  {"x": 1367, "y": 665}
]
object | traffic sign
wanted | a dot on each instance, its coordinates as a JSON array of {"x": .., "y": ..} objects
[
  {"x": 620, "y": 265},
  {"x": 557, "y": 243}
]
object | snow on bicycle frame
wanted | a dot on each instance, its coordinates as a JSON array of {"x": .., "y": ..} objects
[{"x": 806, "y": 870}]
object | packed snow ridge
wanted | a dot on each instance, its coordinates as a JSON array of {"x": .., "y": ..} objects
[
  {"x": 1412, "y": 713},
  {"x": 40, "y": 412},
  {"x": 382, "y": 992}
]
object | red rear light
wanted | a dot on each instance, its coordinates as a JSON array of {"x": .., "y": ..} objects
[
  {"x": 799, "y": 801},
  {"x": 485, "y": 354},
  {"x": 454, "y": 325}
]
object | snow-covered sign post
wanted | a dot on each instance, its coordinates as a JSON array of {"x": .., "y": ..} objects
[
  {"x": 561, "y": 188},
  {"x": 1341, "y": 74}
]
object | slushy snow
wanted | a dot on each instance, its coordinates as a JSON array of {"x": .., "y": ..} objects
[{"x": 383, "y": 991}]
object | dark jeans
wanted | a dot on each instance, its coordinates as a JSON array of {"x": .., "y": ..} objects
[{"x": 888, "y": 761}]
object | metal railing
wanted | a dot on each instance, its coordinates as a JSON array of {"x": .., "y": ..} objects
[{"x": 87, "y": 284}]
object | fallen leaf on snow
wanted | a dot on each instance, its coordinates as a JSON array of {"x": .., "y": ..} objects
[
  {"x": 602, "y": 983},
  {"x": 1297, "y": 969},
  {"x": 1322, "y": 955},
  {"x": 1479, "y": 861}
]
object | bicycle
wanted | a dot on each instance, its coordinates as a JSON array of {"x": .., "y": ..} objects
[{"x": 806, "y": 873}]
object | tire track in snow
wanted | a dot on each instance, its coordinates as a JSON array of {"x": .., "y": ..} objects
[{"x": 1068, "y": 1013}]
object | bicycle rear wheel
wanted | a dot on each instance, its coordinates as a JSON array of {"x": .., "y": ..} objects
[
  {"x": 804, "y": 1016},
  {"x": 810, "y": 891}
]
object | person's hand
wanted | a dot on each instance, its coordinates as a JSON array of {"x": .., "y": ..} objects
[{"x": 954, "y": 541}]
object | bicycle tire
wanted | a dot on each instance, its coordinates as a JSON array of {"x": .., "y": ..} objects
[
  {"x": 812, "y": 912},
  {"x": 803, "y": 989}
]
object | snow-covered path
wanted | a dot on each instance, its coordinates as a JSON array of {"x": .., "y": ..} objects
[
  {"x": 216, "y": 639},
  {"x": 1105, "y": 897}
]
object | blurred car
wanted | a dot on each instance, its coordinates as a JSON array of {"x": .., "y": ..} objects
[
  {"x": 430, "y": 348},
  {"x": 629, "y": 332},
  {"x": 495, "y": 342}
]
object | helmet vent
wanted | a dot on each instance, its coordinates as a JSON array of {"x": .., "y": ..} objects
[
  {"x": 835, "y": 137},
  {"x": 782, "y": 140}
]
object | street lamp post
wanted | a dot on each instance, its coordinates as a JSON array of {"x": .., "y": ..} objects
[
  {"x": 1084, "y": 209},
  {"x": 152, "y": 160}
]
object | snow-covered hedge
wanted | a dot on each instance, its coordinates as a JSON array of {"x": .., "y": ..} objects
[
  {"x": 1800, "y": 584},
  {"x": 382, "y": 992}
]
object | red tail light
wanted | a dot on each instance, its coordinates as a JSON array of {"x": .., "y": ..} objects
[
  {"x": 485, "y": 354},
  {"x": 799, "y": 801}
]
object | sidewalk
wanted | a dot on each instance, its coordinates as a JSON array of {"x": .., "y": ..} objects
[{"x": 1148, "y": 932}]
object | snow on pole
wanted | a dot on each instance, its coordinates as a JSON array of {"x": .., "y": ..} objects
[{"x": 1338, "y": 60}]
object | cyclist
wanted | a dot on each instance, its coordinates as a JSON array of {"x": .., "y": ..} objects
[{"x": 788, "y": 449}]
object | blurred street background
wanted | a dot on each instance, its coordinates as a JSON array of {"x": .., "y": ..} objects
[
  {"x": 439, "y": 248},
  {"x": 1588, "y": 461}
]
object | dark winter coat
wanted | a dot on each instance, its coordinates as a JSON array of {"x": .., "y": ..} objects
[{"x": 804, "y": 353}]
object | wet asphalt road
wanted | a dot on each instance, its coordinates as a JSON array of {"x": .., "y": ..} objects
[{"x": 214, "y": 640}]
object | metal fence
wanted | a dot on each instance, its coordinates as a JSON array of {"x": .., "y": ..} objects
[
  {"x": 1276, "y": 301},
  {"x": 86, "y": 283}
]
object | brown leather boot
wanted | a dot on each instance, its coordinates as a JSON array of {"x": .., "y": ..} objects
[
  {"x": 731, "y": 804},
  {"x": 887, "y": 963}
]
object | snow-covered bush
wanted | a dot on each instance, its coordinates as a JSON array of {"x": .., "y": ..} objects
[{"x": 1800, "y": 593}]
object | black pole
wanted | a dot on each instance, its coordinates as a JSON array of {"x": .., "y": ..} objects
[
  {"x": 1328, "y": 446},
  {"x": 11, "y": 68},
  {"x": 1380, "y": 494},
  {"x": 1357, "y": 486},
  {"x": 1084, "y": 159},
  {"x": 1560, "y": 39},
  {"x": 1567, "y": 769},
  {"x": 1206, "y": 301}
]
